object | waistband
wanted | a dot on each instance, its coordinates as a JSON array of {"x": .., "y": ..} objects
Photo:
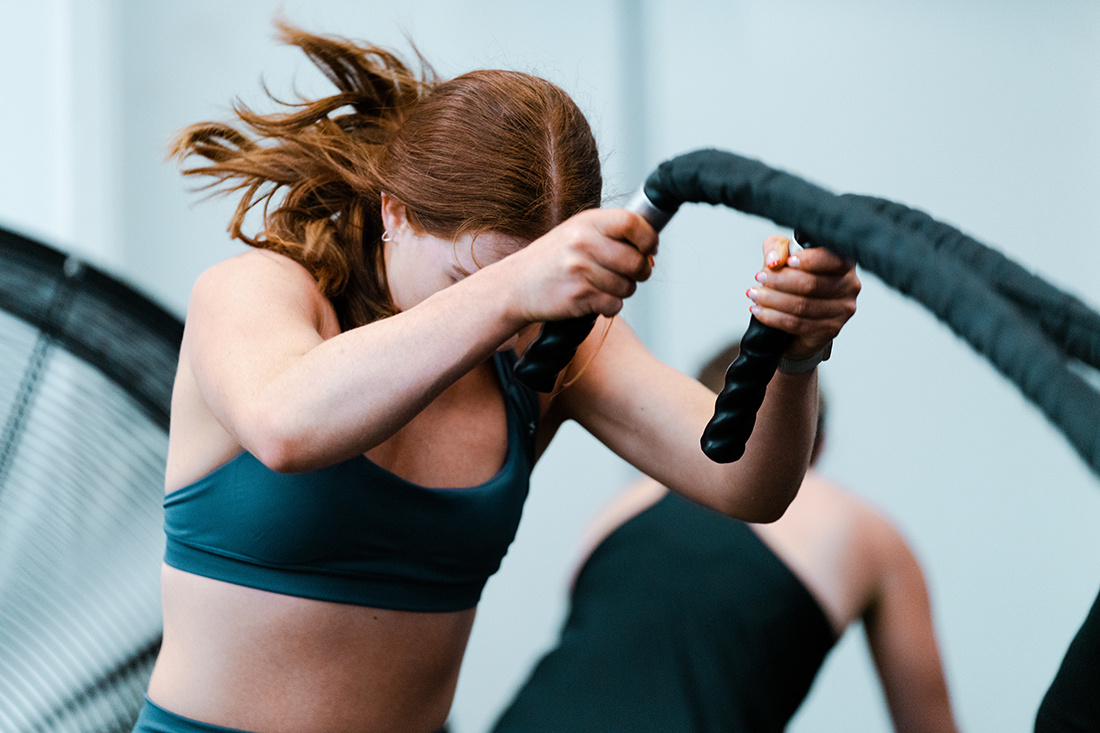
[{"x": 155, "y": 719}]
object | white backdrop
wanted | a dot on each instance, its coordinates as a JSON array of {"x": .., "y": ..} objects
[{"x": 985, "y": 114}]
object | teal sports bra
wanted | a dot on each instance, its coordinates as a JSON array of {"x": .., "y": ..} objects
[{"x": 354, "y": 532}]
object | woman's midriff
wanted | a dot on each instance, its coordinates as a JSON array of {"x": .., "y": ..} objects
[{"x": 258, "y": 661}]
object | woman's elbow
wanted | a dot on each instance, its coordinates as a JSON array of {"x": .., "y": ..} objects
[
  {"x": 762, "y": 508},
  {"x": 272, "y": 439},
  {"x": 281, "y": 456},
  {"x": 764, "y": 514}
]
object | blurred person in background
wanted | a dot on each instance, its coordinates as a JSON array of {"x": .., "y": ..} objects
[{"x": 684, "y": 619}]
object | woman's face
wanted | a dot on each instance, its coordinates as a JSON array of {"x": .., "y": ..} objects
[{"x": 420, "y": 264}]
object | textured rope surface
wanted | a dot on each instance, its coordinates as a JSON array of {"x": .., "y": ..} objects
[{"x": 1027, "y": 329}]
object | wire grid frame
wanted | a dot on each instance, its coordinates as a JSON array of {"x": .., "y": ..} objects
[{"x": 86, "y": 370}]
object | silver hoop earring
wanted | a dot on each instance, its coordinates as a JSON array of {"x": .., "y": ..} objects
[{"x": 386, "y": 236}]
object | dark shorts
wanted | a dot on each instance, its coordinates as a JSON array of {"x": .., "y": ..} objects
[{"x": 155, "y": 719}]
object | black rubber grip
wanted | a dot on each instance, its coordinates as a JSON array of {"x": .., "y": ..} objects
[
  {"x": 551, "y": 351},
  {"x": 558, "y": 341},
  {"x": 747, "y": 380}
]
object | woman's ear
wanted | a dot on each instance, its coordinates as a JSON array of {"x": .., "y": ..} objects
[{"x": 394, "y": 217}]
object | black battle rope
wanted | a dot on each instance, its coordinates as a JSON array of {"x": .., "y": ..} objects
[
  {"x": 1063, "y": 317},
  {"x": 980, "y": 295}
]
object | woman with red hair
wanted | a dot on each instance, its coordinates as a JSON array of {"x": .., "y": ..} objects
[{"x": 350, "y": 450}]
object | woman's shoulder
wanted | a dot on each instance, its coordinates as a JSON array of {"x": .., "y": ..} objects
[
  {"x": 256, "y": 272},
  {"x": 862, "y": 518},
  {"x": 256, "y": 265},
  {"x": 262, "y": 279},
  {"x": 840, "y": 545}
]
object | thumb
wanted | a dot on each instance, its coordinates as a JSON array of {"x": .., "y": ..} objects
[{"x": 776, "y": 251}]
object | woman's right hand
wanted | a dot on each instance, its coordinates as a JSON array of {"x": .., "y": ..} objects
[{"x": 587, "y": 264}]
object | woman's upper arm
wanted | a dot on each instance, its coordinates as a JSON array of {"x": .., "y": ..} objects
[
  {"x": 248, "y": 319},
  {"x": 901, "y": 635}
]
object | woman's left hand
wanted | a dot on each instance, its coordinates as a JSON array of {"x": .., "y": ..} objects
[{"x": 810, "y": 294}]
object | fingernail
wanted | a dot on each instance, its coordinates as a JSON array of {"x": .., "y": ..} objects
[
  {"x": 755, "y": 310},
  {"x": 793, "y": 261},
  {"x": 652, "y": 260},
  {"x": 761, "y": 277},
  {"x": 752, "y": 294},
  {"x": 772, "y": 259}
]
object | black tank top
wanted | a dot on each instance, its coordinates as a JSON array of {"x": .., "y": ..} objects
[{"x": 681, "y": 620}]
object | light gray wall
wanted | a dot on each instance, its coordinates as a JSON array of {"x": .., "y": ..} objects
[
  {"x": 986, "y": 114},
  {"x": 58, "y": 152}
]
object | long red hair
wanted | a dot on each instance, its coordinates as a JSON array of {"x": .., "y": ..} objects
[{"x": 490, "y": 150}]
